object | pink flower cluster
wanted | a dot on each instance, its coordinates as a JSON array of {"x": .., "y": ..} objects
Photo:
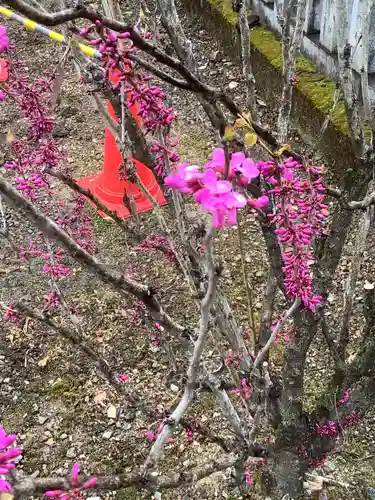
[
  {"x": 4, "y": 40},
  {"x": 299, "y": 216},
  {"x": 52, "y": 266},
  {"x": 156, "y": 242},
  {"x": 74, "y": 493},
  {"x": 232, "y": 359},
  {"x": 328, "y": 429},
  {"x": 164, "y": 151},
  {"x": 246, "y": 389},
  {"x": 351, "y": 420},
  {"x": 78, "y": 223},
  {"x": 52, "y": 300},
  {"x": 7, "y": 456},
  {"x": 39, "y": 149},
  {"x": 345, "y": 398},
  {"x": 148, "y": 99},
  {"x": 11, "y": 315},
  {"x": 214, "y": 193}
]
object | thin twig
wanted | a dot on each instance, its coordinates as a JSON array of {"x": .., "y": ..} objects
[
  {"x": 193, "y": 370},
  {"x": 262, "y": 353},
  {"x": 246, "y": 280}
]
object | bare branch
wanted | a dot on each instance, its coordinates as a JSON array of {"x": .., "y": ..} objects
[
  {"x": 227, "y": 407},
  {"x": 262, "y": 353},
  {"x": 27, "y": 486},
  {"x": 246, "y": 60},
  {"x": 193, "y": 370},
  {"x": 363, "y": 226},
  {"x": 290, "y": 48},
  {"x": 246, "y": 280},
  {"x": 267, "y": 309}
]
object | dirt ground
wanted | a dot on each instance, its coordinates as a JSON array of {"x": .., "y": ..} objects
[{"x": 51, "y": 395}]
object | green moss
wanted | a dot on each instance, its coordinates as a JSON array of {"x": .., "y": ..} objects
[
  {"x": 268, "y": 45},
  {"x": 62, "y": 388},
  {"x": 319, "y": 89},
  {"x": 225, "y": 8}
]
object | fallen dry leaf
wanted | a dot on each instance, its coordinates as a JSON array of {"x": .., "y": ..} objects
[{"x": 42, "y": 362}]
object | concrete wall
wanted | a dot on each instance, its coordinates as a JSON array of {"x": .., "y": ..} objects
[{"x": 319, "y": 41}]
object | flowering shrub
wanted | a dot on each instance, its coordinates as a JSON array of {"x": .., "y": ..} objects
[{"x": 290, "y": 195}]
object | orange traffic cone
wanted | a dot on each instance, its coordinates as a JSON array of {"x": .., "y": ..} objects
[{"x": 109, "y": 188}]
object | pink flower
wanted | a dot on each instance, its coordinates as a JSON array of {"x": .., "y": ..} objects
[
  {"x": 260, "y": 202},
  {"x": 238, "y": 164},
  {"x": 150, "y": 435},
  {"x": 4, "y": 40},
  {"x": 345, "y": 398},
  {"x": 5, "y": 487},
  {"x": 186, "y": 178},
  {"x": 75, "y": 472},
  {"x": 7, "y": 454},
  {"x": 245, "y": 166},
  {"x": 124, "y": 377},
  {"x": 249, "y": 477},
  {"x": 2, "y": 96},
  {"x": 6, "y": 440},
  {"x": 74, "y": 492},
  {"x": 216, "y": 197}
]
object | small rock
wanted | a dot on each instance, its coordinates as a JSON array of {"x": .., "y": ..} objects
[
  {"x": 107, "y": 434},
  {"x": 232, "y": 85},
  {"x": 71, "y": 453},
  {"x": 42, "y": 420},
  {"x": 112, "y": 412},
  {"x": 63, "y": 436},
  {"x": 215, "y": 56},
  {"x": 50, "y": 442},
  {"x": 174, "y": 388}
]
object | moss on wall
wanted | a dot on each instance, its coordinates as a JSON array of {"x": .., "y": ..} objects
[{"x": 313, "y": 97}]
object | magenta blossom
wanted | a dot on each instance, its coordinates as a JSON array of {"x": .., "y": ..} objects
[
  {"x": 218, "y": 198},
  {"x": 261, "y": 202},
  {"x": 2, "y": 96},
  {"x": 4, "y": 40},
  {"x": 186, "y": 179},
  {"x": 7, "y": 456},
  {"x": 73, "y": 494},
  {"x": 150, "y": 435},
  {"x": 214, "y": 193},
  {"x": 238, "y": 164}
]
